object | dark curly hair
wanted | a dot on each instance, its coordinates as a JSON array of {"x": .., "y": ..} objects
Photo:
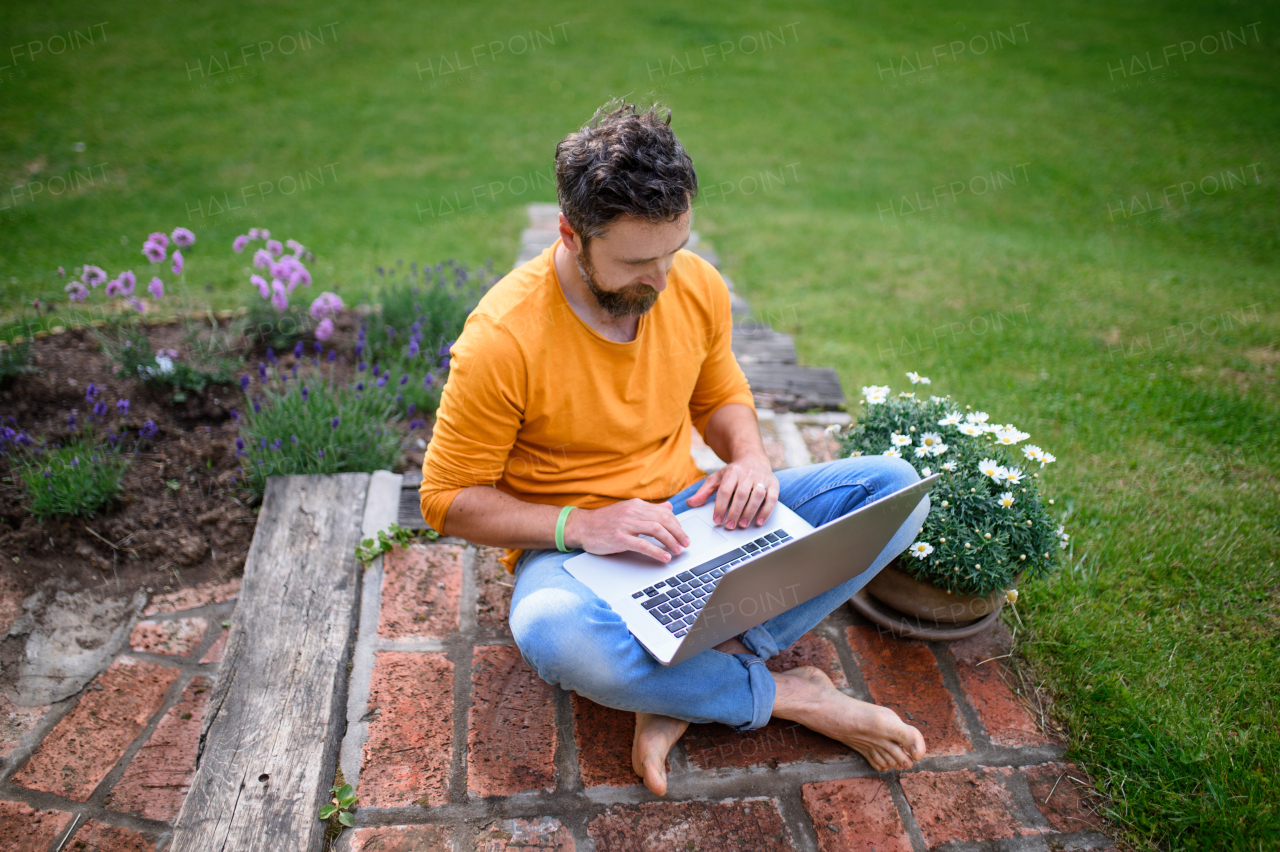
[{"x": 623, "y": 162}]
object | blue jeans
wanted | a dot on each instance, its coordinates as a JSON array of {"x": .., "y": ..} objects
[{"x": 574, "y": 639}]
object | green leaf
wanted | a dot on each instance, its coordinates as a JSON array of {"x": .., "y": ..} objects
[
  {"x": 345, "y": 791},
  {"x": 327, "y": 811},
  {"x": 347, "y": 802},
  {"x": 346, "y": 819}
]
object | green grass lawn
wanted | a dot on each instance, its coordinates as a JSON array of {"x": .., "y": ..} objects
[{"x": 1139, "y": 346}]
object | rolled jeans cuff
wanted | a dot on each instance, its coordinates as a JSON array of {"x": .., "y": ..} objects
[
  {"x": 761, "y": 642},
  {"x": 763, "y": 690}
]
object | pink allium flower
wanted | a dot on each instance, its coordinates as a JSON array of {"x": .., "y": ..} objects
[
  {"x": 76, "y": 291},
  {"x": 113, "y": 288},
  {"x": 324, "y": 330},
  {"x": 264, "y": 234},
  {"x": 326, "y": 304},
  {"x": 259, "y": 282},
  {"x": 159, "y": 239},
  {"x": 274, "y": 247},
  {"x": 255, "y": 234},
  {"x": 239, "y": 244},
  {"x": 62, "y": 273},
  {"x": 167, "y": 353},
  {"x": 139, "y": 305},
  {"x": 302, "y": 276},
  {"x": 177, "y": 262},
  {"x": 154, "y": 251},
  {"x": 279, "y": 298},
  {"x": 296, "y": 247},
  {"x": 156, "y": 288},
  {"x": 93, "y": 275},
  {"x": 183, "y": 238},
  {"x": 127, "y": 281},
  {"x": 262, "y": 259}
]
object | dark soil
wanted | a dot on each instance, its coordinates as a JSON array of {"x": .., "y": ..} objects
[{"x": 181, "y": 519}]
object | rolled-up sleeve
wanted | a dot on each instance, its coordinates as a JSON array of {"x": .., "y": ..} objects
[
  {"x": 721, "y": 380},
  {"x": 481, "y": 410}
]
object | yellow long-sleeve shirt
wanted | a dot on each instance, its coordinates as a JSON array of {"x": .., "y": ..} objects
[{"x": 542, "y": 406}]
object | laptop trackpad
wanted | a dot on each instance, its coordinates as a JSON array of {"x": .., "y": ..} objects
[{"x": 701, "y": 535}]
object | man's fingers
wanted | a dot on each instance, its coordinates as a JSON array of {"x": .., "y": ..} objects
[
  {"x": 735, "y": 517},
  {"x": 767, "y": 508},
  {"x": 643, "y": 547},
  {"x": 711, "y": 483},
  {"x": 658, "y": 530}
]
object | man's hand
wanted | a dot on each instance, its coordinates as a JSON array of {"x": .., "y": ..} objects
[
  {"x": 740, "y": 499},
  {"x": 617, "y": 528}
]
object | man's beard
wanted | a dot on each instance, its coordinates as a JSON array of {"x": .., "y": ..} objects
[{"x": 629, "y": 301}]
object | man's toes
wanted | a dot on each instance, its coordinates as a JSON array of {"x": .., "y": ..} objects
[
  {"x": 913, "y": 744},
  {"x": 898, "y": 757},
  {"x": 655, "y": 777}
]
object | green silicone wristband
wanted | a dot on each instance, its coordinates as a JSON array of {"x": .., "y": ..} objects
[{"x": 564, "y": 513}]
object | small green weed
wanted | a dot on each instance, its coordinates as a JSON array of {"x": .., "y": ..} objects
[
  {"x": 344, "y": 798},
  {"x": 75, "y": 480},
  {"x": 395, "y": 535}
]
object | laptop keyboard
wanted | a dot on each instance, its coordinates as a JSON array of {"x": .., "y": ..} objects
[{"x": 676, "y": 601}]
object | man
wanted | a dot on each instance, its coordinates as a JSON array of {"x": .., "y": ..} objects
[{"x": 576, "y": 382}]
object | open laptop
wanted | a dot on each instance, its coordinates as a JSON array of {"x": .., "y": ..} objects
[{"x": 728, "y": 581}]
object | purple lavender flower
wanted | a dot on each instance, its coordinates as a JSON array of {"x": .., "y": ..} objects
[
  {"x": 238, "y": 245},
  {"x": 324, "y": 331},
  {"x": 377, "y": 369},
  {"x": 333, "y": 354},
  {"x": 294, "y": 438},
  {"x": 359, "y": 349},
  {"x": 90, "y": 392},
  {"x": 149, "y": 430},
  {"x": 257, "y": 407},
  {"x": 362, "y": 366},
  {"x": 276, "y": 444},
  {"x": 75, "y": 462},
  {"x": 156, "y": 288},
  {"x": 71, "y": 420},
  {"x": 177, "y": 262},
  {"x": 100, "y": 409},
  {"x": 122, "y": 407},
  {"x": 271, "y": 356},
  {"x": 154, "y": 252},
  {"x": 412, "y": 408},
  {"x": 183, "y": 238},
  {"x": 93, "y": 275},
  {"x": 240, "y": 444},
  {"x": 413, "y": 348},
  {"x": 297, "y": 349},
  {"x": 320, "y": 454},
  {"x": 334, "y": 423},
  {"x": 262, "y": 443},
  {"x": 359, "y": 386},
  {"x": 391, "y": 332},
  {"x": 262, "y": 369},
  {"x": 235, "y": 415},
  {"x": 263, "y": 289},
  {"x": 444, "y": 363},
  {"x": 428, "y": 380},
  {"x": 306, "y": 394},
  {"x": 244, "y": 382},
  {"x": 404, "y": 380},
  {"x": 382, "y": 381},
  {"x": 319, "y": 348},
  {"x": 76, "y": 291},
  {"x": 295, "y": 368},
  {"x": 159, "y": 239}
]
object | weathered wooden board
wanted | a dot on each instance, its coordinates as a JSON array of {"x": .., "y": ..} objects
[
  {"x": 794, "y": 387},
  {"x": 272, "y": 731},
  {"x": 762, "y": 345}
]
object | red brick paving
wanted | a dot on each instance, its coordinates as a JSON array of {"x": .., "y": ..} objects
[
  {"x": 420, "y": 589},
  {"x": 493, "y": 591},
  {"x": 411, "y": 838},
  {"x": 408, "y": 753},
  {"x": 15, "y": 723},
  {"x": 511, "y": 743},
  {"x": 214, "y": 654},
  {"x": 156, "y": 780},
  {"x": 10, "y": 601},
  {"x": 99, "y": 837},
  {"x": 986, "y": 687},
  {"x": 27, "y": 829},
  {"x": 1061, "y": 792},
  {"x": 745, "y": 824},
  {"x": 855, "y": 815},
  {"x": 603, "y": 736},
  {"x": 811, "y": 650},
  {"x": 86, "y": 744},
  {"x": 903, "y": 676},
  {"x": 519, "y": 834},
  {"x": 202, "y": 595},
  {"x": 968, "y": 804},
  {"x": 178, "y": 637}
]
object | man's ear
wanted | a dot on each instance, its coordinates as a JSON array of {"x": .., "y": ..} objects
[{"x": 568, "y": 236}]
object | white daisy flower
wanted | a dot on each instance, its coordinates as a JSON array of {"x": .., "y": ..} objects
[
  {"x": 1006, "y": 500},
  {"x": 950, "y": 420},
  {"x": 926, "y": 472},
  {"x": 917, "y": 379},
  {"x": 1013, "y": 475},
  {"x": 990, "y": 427},
  {"x": 970, "y": 429},
  {"x": 1012, "y": 597},
  {"x": 905, "y": 395},
  {"x": 1009, "y": 437},
  {"x": 920, "y": 549},
  {"x": 832, "y": 429},
  {"x": 876, "y": 394},
  {"x": 900, "y": 440},
  {"x": 1033, "y": 452},
  {"x": 930, "y": 439},
  {"x": 855, "y": 453},
  {"x": 1047, "y": 458},
  {"x": 921, "y": 452},
  {"x": 893, "y": 453},
  {"x": 938, "y": 449},
  {"x": 948, "y": 466},
  {"x": 976, "y": 417},
  {"x": 988, "y": 467},
  {"x": 936, "y": 398}
]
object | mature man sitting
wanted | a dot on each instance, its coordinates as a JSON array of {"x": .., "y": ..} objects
[{"x": 576, "y": 382}]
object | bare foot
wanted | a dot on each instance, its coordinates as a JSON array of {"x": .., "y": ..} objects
[
  {"x": 807, "y": 696},
  {"x": 655, "y": 735}
]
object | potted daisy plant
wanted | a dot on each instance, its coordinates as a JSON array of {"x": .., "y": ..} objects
[{"x": 987, "y": 526}]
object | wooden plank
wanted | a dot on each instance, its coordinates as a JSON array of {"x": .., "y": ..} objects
[
  {"x": 762, "y": 345},
  {"x": 410, "y": 513},
  {"x": 271, "y": 733},
  {"x": 794, "y": 387}
]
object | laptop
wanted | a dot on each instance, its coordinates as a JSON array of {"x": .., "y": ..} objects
[{"x": 728, "y": 581}]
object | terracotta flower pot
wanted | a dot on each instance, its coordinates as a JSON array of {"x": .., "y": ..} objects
[{"x": 920, "y": 599}]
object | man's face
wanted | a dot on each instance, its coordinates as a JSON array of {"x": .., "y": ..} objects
[{"x": 627, "y": 268}]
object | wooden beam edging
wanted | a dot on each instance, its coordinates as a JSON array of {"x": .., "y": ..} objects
[{"x": 271, "y": 734}]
